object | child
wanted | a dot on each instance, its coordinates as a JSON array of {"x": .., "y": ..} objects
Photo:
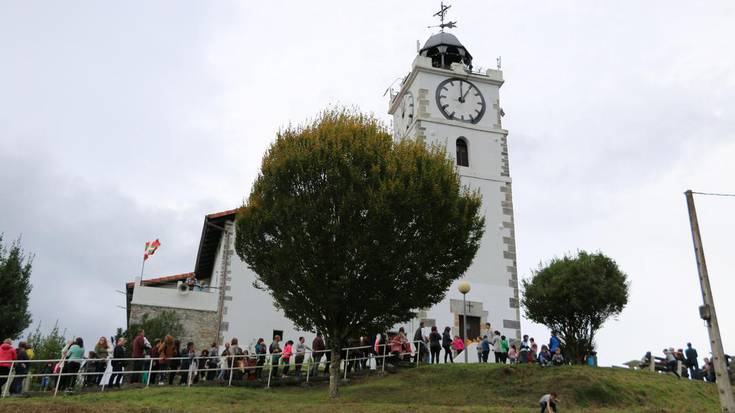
[
  {"x": 544, "y": 357},
  {"x": 513, "y": 354},
  {"x": 557, "y": 359},
  {"x": 46, "y": 371}
]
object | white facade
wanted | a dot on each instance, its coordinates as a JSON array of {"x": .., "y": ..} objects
[
  {"x": 248, "y": 313},
  {"x": 492, "y": 275}
]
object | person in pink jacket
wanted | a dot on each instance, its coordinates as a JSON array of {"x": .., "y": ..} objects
[
  {"x": 7, "y": 355},
  {"x": 457, "y": 345},
  {"x": 286, "y": 357}
]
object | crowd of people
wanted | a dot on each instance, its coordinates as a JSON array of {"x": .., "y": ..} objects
[
  {"x": 683, "y": 363},
  {"x": 166, "y": 361}
]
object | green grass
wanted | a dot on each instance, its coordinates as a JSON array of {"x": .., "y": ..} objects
[{"x": 442, "y": 388}]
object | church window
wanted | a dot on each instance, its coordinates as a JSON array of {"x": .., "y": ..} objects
[{"x": 462, "y": 154}]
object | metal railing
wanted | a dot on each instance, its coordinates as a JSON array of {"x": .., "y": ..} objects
[{"x": 250, "y": 366}]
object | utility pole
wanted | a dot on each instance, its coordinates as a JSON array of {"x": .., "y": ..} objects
[{"x": 707, "y": 312}]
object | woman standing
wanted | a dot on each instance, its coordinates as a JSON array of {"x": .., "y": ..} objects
[
  {"x": 74, "y": 357},
  {"x": 435, "y": 345},
  {"x": 286, "y": 357},
  {"x": 260, "y": 351},
  {"x": 174, "y": 362},
  {"x": 275, "y": 350},
  {"x": 447, "y": 344},
  {"x": 117, "y": 365},
  {"x": 165, "y": 353},
  {"x": 102, "y": 350}
]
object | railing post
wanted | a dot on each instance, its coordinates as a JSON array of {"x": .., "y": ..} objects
[
  {"x": 58, "y": 377},
  {"x": 652, "y": 365},
  {"x": 270, "y": 372},
  {"x": 150, "y": 369},
  {"x": 188, "y": 379},
  {"x": 347, "y": 357},
  {"x": 10, "y": 379},
  {"x": 385, "y": 347},
  {"x": 231, "y": 367},
  {"x": 308, "y": 370}
]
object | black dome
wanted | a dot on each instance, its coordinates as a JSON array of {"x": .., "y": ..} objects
[{"x": 444, "y": 49}]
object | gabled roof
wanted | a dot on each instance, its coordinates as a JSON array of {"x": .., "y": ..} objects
[
  {"x": 209, "y": 242},
  {"x": 164, "y": 280}
]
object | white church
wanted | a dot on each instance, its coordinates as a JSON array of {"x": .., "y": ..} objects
[{"x": 443, "y": 101}]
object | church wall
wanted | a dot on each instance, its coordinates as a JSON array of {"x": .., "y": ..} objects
[
  {"x": 200, "y": 327},
  {"x": 249, "y": 312}
]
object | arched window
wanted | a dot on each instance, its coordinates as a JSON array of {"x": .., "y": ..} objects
[{"x": 463, "y": 158}]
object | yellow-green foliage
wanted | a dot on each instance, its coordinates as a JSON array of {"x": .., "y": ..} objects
[{"x": 350, "y": 231}]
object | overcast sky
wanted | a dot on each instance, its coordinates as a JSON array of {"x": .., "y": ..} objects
[{"x": 122, "y": 122}]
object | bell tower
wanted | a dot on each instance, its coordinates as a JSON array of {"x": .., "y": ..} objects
[{"x": 444, "y": 101}]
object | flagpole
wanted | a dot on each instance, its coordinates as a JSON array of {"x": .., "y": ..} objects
[{"x": 141, "y": 271}]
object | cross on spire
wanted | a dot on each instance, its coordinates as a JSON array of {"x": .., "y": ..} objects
[{"x": 441, "y": 14}]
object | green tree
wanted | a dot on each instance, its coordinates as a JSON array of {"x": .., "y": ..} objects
[
  {"x": 158, "y": 326},
  {"x": 45, "y": 346},
  {"x": 15, "y": 279},
  {"x": 350, "y": 232},
  {"x": 574, "y": 296}
]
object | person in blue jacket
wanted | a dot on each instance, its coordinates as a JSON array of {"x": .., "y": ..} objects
[{"x": 554, "y": 342}]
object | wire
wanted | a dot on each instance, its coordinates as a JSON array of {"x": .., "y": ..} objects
[{"x": 712, "y": 194}]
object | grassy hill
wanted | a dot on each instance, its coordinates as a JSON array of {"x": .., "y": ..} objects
[{"x": 442, "y": 388}]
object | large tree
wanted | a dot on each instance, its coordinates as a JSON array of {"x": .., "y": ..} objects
[
  {"x": 574, "y": 296},
  {"x": 350, "y": 232},
  {"x": 15, "y": 287}
]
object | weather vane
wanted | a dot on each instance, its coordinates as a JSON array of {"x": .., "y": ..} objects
[{"x": 441, "y": 14}]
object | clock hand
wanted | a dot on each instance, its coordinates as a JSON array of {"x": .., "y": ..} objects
[
  {"x": 461, "y": 97},
  {"x": 465, "y": 94}
]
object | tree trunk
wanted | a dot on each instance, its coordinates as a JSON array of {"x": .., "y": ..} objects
[{"x": 334, "y": 374}]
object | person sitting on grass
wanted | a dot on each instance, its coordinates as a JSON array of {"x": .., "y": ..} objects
[
  {"x": 544, "y": 357},
  {"x": 557, "y": 359},
  {"x": 548, "y": 402},
  {"x": 533, "y": 354}
]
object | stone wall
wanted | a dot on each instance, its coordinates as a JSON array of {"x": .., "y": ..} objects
[{"x": 200, "y": 327}]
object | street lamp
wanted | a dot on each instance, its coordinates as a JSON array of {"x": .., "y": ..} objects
[{"x": 464, "y": 288}]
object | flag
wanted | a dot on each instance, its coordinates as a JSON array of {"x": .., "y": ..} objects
[{"x": 150, "y": 248}]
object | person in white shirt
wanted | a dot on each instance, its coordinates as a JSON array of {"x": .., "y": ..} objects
[{"x": 548, "y": 403}]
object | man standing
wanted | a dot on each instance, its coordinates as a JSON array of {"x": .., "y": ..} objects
[
  {"x": 692, "y": 362},
  {"x": 138, "y": 352},
  {"x": 300, "y": 353},
  {"x": 420, "y": 342},
  {"x": 21, "y": 369},
  {"x": 317, "y": 347}
]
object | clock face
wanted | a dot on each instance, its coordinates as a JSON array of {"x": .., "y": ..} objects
[
  {"x": 405, "y": 114},
  {"x": 460, "y": 100}
]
